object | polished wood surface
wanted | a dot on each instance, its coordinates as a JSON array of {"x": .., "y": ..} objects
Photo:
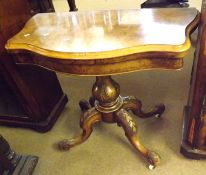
[
  {"x": 102, "y": 34},
  {"x": 81, "y": 39}
]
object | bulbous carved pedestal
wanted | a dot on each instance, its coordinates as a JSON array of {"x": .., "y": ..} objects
[
  {"x": 12, "y": 163},
  {"x": 107, "y": 105}
]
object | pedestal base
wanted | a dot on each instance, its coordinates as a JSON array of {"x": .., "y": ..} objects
[{"x": 108, "y": 106}]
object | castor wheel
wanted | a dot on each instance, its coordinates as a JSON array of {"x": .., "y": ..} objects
[
  {"x": 84, "y": 105},
  {"x": 160, "y": 109},
  {"x": 64, "y": 145},
  {"x": 153, "y": 159}
]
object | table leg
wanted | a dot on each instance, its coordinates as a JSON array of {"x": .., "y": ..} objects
[
  {"x": 90, "y": 117},
  {"x": 135, "y": 105},
  {"x": 124, "y": 119}
]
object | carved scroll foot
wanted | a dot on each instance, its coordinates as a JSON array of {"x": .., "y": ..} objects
[
  {"x": 90, "y": 117},
  {"x": 135, "y": 105},
  {"x": 124, "y": 119}
]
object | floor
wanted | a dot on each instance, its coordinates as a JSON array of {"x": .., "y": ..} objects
[{"x": 107, "y": 151}]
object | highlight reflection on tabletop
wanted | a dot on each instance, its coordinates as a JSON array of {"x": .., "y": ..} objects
[{"x": 103, "y": 31}]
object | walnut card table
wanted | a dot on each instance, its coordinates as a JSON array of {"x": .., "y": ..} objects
[{"x": 105, "y": 43}]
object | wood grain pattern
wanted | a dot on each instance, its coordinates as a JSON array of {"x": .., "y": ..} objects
[{"x": 109, "y": 32}]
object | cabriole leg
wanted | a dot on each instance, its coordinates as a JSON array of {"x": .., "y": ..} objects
[
  {"x": 135, "y": 105},
  {"x": 90, "y": 117},
  {"x": 124, "y": 119}
]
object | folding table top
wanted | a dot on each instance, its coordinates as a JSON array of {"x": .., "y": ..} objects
[{"x": 102, "y": 35}]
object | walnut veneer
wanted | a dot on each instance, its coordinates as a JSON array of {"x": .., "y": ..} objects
[{"x": 88, "y": 42}]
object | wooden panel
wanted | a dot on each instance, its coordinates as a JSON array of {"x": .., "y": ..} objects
[
  {"x": 13, "y": 19},
  {"x": 194, "y": 129}
]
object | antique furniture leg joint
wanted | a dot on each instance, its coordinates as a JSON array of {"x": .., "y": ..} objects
[{"x": 107, "y": 94}]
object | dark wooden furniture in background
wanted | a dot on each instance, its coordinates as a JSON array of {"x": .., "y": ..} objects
[
  {"x": 13, "y": 163},
  {"x": 30, "y": 96},
  {"x": 164, "y": 3},
  {"x": 72, "y": 5},
  {"x": 40, "y": 6},
  {"x": 194, "y": 128}
]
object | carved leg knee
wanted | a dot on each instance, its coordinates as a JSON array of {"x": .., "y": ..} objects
[
  {"x": 124, "y": 119},
  {"x": 90, "y": 117}
]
